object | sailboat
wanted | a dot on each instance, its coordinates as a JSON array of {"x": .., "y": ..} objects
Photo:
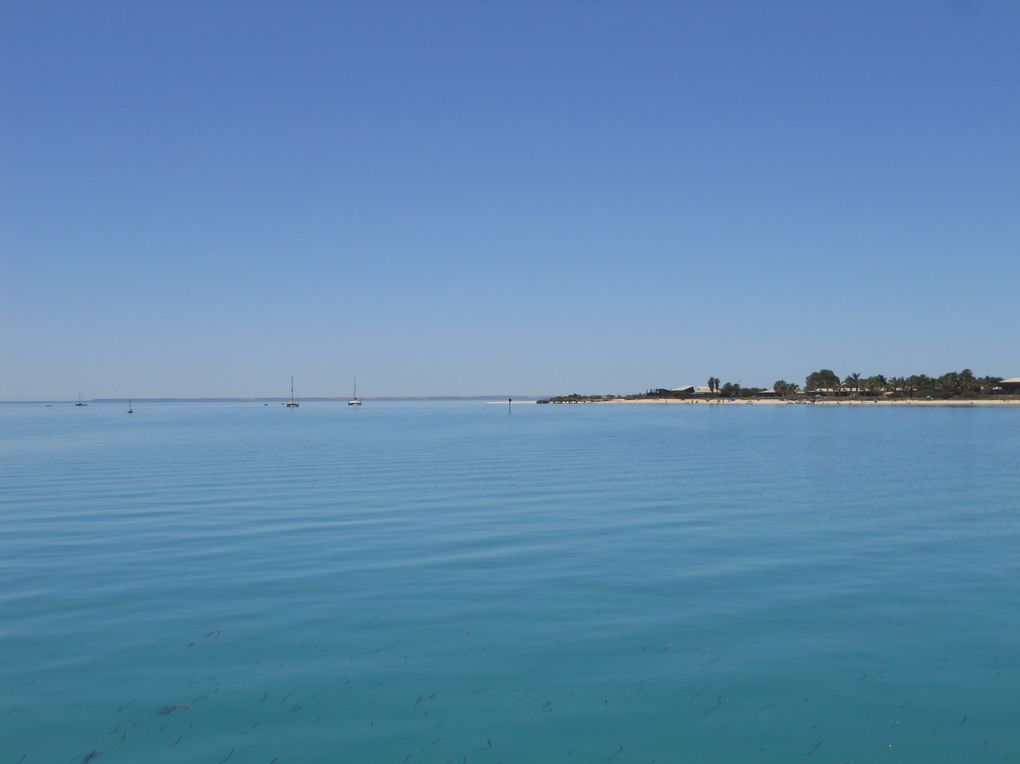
[
  {"x": 81, "y": 401},
  {"x": 292, "y": 404},
  {"x": 354, "y": 401},
  {"x": 130, "y": 410}
]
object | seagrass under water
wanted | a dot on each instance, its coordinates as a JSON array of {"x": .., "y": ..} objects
[{"x": 446, "y": 583}]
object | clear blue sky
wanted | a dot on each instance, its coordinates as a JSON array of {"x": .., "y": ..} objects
[{"x": 203, "y": 198}]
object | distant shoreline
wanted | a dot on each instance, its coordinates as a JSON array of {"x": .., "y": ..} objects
[
  {"x": 997, "y": 402},
  {"x": 607, "y": 400}
]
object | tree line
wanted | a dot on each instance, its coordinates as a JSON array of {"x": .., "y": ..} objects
[
  {"x": 953, "y": 384},
  {"x": 826, "y": 382}
]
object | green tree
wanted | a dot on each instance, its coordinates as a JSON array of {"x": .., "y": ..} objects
[
  {"x": 730, "y": 389},
  {"x": 822, "y": 379},
  {"x": 968, "y": 383},
  {"x": 874, "y": 384},
  {"x": 784, "y": 388},
  {"x": 985, "y": 384},
  {"x": 920, "y": 384}
]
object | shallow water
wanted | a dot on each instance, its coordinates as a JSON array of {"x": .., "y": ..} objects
[{"x": 432, "y": 582}]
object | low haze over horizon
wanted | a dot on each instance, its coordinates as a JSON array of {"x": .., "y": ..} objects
[{"x": 454, "y": 198}]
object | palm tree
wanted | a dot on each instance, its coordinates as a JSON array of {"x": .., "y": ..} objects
[
  {"x": 874, "y": 384},
  {"x": 853, "y": 381}
]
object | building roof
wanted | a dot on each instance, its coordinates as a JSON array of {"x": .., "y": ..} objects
[{"x": 1010, "y": 381}]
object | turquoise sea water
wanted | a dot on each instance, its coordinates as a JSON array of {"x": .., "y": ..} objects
[{"x": 430, "y": 582}]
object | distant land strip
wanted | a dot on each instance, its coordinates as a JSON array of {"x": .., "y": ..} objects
[{"x": 824, "y": 385}]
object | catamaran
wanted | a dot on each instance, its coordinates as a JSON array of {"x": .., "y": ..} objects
[
  {"x": 81, "y": 401},
  {"x": 355, "y": 400},
  {"x": 292, "y": 404}
]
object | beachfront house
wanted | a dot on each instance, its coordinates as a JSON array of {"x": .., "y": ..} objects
[
  {"x": 1011, "y": 385},
  {"x": 684, "y": 391},
  {"x": 829, "y": 391},
  {"x": 672, "y": 392}
]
